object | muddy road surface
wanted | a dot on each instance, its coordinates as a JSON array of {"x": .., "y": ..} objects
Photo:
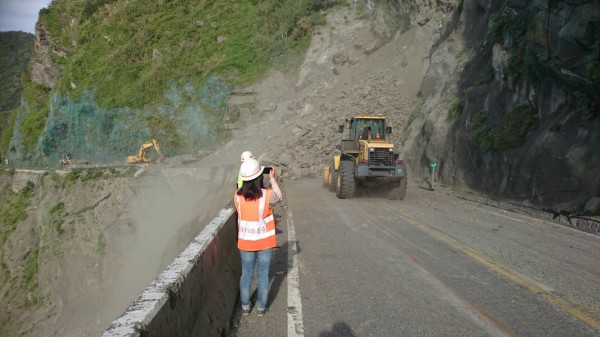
[{"x": 430, "y": 265}]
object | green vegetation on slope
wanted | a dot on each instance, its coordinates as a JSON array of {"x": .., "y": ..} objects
[
  {"x": 528, "y": 64},
  {"x": 13, "y": 210},
  {"x": 456, "y": 108},
  {"x": 30, "y": 279},
  {"x": 37, "y": 98},
  {"x": 131, "y": 52},
  {"x": 510, "y": 132},
  {"x": 130, "y": 70},
  {"x": 15, "y": 53}
]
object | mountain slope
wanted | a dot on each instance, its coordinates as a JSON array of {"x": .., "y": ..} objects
[{"x": 126, "y": 72}]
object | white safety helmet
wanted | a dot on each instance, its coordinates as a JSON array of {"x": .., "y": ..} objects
[
  {"x": 251, "y": 169},
  {"x": 247, "y": 155}
]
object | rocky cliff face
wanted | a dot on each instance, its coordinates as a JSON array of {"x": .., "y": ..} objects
[
  {"x": 43, "y": 70},
  {"x": 517, "y": 116}
]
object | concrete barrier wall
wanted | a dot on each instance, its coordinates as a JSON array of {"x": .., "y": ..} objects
[{"x": 195, "y": 294}]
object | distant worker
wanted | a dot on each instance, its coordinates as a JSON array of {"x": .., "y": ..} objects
[
  {"x": 256, "y": 231},
  {"x": 245, "y": 156},
  {"x": 366, "y": 134}
]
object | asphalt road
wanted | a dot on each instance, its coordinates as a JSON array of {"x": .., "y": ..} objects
[{"x": 430, "y": 265}]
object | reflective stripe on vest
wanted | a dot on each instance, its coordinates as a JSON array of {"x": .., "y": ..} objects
[{"x": 256, "y": 230}]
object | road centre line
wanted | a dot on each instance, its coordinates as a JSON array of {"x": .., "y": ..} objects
[
  {"x": 568, "y": 304},
  {"x": 295, "y": 325}
]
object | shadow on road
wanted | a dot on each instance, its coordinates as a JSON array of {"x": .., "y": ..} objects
[{"x": 339, "y": 329}]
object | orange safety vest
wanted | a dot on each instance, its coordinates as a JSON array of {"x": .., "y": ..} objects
[{"x": 255, "y": 232}]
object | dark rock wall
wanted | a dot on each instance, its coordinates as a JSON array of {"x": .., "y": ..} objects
[{"x": 548, "y": 69}]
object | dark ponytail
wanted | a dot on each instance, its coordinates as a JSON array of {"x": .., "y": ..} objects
[{"x": 252, "y": 190}]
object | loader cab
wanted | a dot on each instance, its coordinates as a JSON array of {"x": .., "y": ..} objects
[{"x": 367, "y": 128}]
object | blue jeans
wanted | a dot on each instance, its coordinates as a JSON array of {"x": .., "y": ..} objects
[{"x": 262, "y": 258}]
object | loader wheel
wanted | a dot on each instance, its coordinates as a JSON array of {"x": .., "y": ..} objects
[
  {"x": 333, "y": 178},
  {"x": 398, "y": 192},
  {"x": 345, "y": 181}
]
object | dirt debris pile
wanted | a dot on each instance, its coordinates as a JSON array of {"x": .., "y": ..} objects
[{"x": 342, "y": 76}]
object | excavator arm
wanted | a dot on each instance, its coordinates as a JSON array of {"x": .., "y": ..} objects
[{"x": 141, "y": 156}]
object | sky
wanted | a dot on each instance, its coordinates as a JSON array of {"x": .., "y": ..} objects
[{"x": 20, "y": 14}]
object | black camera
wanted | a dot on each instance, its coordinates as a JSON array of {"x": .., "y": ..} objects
[{"x": 267, "y": 170}]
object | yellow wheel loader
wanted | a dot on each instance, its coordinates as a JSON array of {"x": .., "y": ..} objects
[
  {"x": 366, "y": 158},
  {"x": 141, "y": 156}
]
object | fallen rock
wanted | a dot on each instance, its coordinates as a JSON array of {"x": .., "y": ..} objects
[{"x": 285, "y": 159}]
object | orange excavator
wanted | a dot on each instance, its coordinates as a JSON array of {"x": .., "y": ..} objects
[{"x": 141, "y": 156}]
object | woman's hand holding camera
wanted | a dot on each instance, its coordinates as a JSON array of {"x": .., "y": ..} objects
[{"x": 272, "y": 173}]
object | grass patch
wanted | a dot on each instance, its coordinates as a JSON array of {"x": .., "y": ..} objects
[
  {"x": 6, "y": 131},
  {"x": 14, "y": 210},
  {"x": 56, "y": 208},
  {"x": 56, "y": 217},
  {"x": 71, "y": 178},
  {"x": 82, "y": 175},
  {"x": 508, "y": 24},
  {"x": 414, "y": 114},
  {"x": 37, "y": 98},
  {"x": 54, "y": 177},
  {"x": 593, "y": 63},
  {"x": 509, "y": 133},
  {"x": 487, "y": 78},
  {"x": 585, "y": 105},
  {"x": 456, "y": 108},
  {"x": 83, "y": 210},
  {"x": 92, "y": 174},
  {"x": 101, "y": 244},
  {"x": 30, "y": 279},
  {"x": 479, "y": 128},
  {"x": 463, "y": 58}
]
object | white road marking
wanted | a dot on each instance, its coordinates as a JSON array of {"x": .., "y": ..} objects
[{"x": 295, "y": 324}]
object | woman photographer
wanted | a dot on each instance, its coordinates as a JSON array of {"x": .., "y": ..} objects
[{"x": 256, "y": 231}]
